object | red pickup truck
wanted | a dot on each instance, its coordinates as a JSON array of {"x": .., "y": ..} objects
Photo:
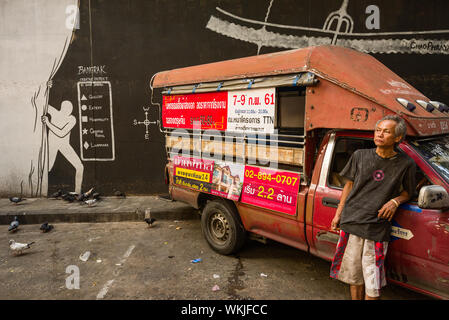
[{"x": 257, "y": 144}]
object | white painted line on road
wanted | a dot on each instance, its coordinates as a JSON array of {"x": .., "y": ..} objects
[
  {"x": 104, "y": 290},
  {"x": 127, "y": 254},
  {"x": 108, "y": 284}
]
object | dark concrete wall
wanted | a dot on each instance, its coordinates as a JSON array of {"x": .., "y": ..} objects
[{"x": 130, "y": 40}]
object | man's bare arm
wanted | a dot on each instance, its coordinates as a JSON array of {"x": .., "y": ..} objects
[
  {"x": 389, "y": 209},
  {"x": 346, "y": 190}
]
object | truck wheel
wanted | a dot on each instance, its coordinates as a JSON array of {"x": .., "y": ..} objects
[{"x": 222, "y": 227}]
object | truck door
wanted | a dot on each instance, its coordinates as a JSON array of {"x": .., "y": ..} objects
[
  {"x": 418, "y": 254},
  {"x": 329, "y": 189}
]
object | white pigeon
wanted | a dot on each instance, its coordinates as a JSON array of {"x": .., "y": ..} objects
[
  {"x": 91, "y": 202},
  {"x": 17, "y": 247}
]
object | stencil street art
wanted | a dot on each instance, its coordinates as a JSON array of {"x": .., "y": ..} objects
[
  {"x": 96, "y": 121},
  {"x": 146, "y": 122},
  {"x": 338, "y": 29},
  {"x": 61, "y": 123}
]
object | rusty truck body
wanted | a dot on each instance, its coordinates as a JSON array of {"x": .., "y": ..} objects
[{"x": 257, "y": 143}]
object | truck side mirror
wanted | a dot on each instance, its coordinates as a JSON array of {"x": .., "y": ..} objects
[{"x": 433, "y": 197}]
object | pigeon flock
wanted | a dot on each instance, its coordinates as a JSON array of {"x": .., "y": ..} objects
[
  {"x": 90, "y": 198},
  {"x": 17, "y": 247}
]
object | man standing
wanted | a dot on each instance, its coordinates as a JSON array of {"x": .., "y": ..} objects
[{"x": 377, "y": 181}]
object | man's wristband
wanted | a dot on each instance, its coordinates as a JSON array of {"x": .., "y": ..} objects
[{"x": 395, "y": 202}]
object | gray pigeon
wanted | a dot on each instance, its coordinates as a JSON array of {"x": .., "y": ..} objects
[
  {"x": 119, "y": 194},
  {"x": 96, "y": 196},
  {"x": 45, "y": 227},
  {"x": 68, "y": 197},
  {"x": 16, "y": 200},
  {"x": 57, "y": 194},
  {"x": 84, "y": 196},
  {"x": 14, "y": 225},
  {"x": 148, "y": 219}
]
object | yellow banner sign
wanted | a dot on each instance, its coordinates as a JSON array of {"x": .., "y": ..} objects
[{"x": 192, "y": 174}]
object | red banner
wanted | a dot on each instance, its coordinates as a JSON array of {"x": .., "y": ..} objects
[
  {"x": 271, "y": 189},
  {"x": 209, "y": 109}
]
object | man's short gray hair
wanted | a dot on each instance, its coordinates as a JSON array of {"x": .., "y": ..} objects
[{"x": 401, "y": 127}]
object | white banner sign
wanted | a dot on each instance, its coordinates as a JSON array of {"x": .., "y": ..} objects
[
  {"x": 401, "y": 233},
  {"x": 251, "y": 110}
]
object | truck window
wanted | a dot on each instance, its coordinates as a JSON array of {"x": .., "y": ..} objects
[
  {"x": 291, "y": 110},
  {"x": 289, "y": 123},
  {"x": 343, "y": 150},
  {"x": 436, "y": 152}
]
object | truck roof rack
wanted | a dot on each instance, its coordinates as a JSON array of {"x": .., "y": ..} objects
[{"x": 376, "y": 86}]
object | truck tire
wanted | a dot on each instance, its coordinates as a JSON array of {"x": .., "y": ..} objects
[{"x": 222, "y": 227}]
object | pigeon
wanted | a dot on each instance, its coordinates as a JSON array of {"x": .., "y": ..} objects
[
  {"x": 90, "y": 191},
  {"x": 119, "y": 194},
  {"x": 14, "y": 225},
  {"x": 84, "y": 196},
  {"x": 96, "y": 196},
  {"x": 68, "y": 197},
  {"x": 148, "y": 218},
  {"x": 91, "y": 202},
  {"x": 17, "y": 247},
  {"x": 45, "y": 227},
  {"x": 16, "y": 200},
  {"x": 149, "y": 221},
  {"x": 56, "y": 194}
]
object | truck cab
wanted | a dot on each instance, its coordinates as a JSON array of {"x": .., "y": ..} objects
[{"x": 257, "y": 145}]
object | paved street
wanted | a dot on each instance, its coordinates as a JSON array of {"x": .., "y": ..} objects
[{"x": 130, "y": 261}]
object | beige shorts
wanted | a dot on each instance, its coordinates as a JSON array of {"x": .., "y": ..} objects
[{"x": 358, "y": 261}]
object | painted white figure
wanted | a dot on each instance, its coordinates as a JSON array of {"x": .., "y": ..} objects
[{"x": 62, "y": 122}]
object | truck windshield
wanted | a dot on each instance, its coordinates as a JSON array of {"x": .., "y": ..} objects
[{"x": 436, "y": 152}]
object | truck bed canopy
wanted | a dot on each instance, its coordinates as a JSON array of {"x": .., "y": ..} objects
[{"x": 351, "y": 70}]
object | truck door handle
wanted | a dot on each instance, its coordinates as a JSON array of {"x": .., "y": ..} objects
[
  {"x": 327, "y": 236},
  {"x": 330, "y": 202}
]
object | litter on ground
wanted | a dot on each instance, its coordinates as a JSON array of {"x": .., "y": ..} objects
[
  {"x": 85, "y": 256},
  {"x": 215, "y": 288}
]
